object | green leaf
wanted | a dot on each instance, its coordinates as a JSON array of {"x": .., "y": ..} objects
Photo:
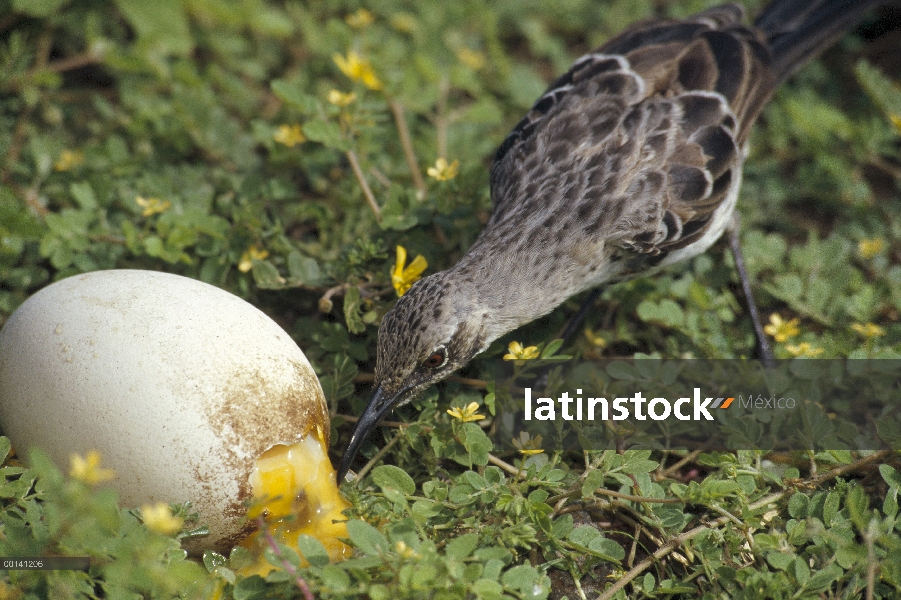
[
  {"x": 666, "y": 312},
  {"x": 335, "y": 578},
  {"x": 486, "y": 588},
  {"x": 389, "y": 476},
  {"x": 882, "y": 90},
  {"x": 5, "y": 447},
  {"x": 379, "y": 592},
  {"x": 797, "y": 505},
  {"x": 802, "y": 571},
  {"x": 475, "y": 480},
  {"x": 461, "y": 547},
  {"x": 830, "y": 507},
  {"x": 779, "y": 560},
  {"x": 562, "y": 526},
  {"x": 461, "y": 494},
  {"x": 857, "y": 503},
  {"x": 523, "y": 578},
  {"x": 312, "y": 550},
  {"x": 162, "y": 24},
  {"x": 293, "y": 95},
  {"x": 621, "y": 370},
  {"x": 823, "y": 579},
  {"x": 423, "y": 510},
  {"x": 353, "y": 306},
  {"x": 890, "y": 475},
  {"x": 607, "y": 548},
  {"x": 326, "y": 133},
  {"x": 266, "y": 275},
  {"x": 890, "y": 505},
  {"x": 211, "y": 560},
  {"x": 84, "y": 195},
  {"x": 398, "y": 211},
  {"x": 493, "y": 553},
  {"x": 154, "y": 246},
  {"x": 304, "y": 270},
  {"x": 551, "y": 349},
  {"x": 477, "y": 443},
  {"x": 538, "y": 496},
  {"x": 592, "y": 481},
  {"x": 494, "y": 476},
  {"x": 634, "y": 466},
  {"x": 583, "y": 535},
  {"x": 367, "y": 538}
]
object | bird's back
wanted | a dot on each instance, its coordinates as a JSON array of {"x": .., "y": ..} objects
[{"x": 632, "y": 159}]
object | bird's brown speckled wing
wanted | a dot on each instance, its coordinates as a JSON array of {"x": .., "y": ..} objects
[{"x": 641, "y": 141}]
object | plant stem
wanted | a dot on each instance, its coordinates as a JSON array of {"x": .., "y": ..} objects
[
  {"x": 397, "y": 110},
  {"x": 298, "y": 580},
  {"x": 367, "y": 191},
  {"x": 379, "y": 455}
]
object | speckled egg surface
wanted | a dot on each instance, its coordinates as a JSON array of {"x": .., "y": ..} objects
[{"x": 178, "y": 384}]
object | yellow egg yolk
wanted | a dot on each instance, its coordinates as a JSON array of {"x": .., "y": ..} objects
[{"x": 295, "y": 493}]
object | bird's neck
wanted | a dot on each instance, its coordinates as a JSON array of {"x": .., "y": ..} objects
[{"x": 504, "y": 288}]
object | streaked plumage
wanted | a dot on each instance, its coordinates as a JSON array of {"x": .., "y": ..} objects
[{"x": 631, "y": 161}]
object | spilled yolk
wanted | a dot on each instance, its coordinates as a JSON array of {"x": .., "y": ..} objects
[{"x": 294, "y": 492}]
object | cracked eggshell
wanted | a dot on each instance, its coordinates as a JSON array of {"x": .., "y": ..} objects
[{"x": 178, "y": 384}]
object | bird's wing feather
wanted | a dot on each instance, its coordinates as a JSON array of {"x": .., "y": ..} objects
[{"x": 639, "y": 141}]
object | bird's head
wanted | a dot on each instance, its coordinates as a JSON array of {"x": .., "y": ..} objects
[{"x": 433, "y": 330}]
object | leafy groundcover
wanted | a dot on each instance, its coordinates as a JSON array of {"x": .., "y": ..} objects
[{"x": 302, "y": 154}]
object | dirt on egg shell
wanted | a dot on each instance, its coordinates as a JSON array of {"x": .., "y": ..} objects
[{"x": 242, "y": 426}]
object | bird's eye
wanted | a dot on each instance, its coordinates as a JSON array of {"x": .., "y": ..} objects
[{"x": 436, "y": 359}]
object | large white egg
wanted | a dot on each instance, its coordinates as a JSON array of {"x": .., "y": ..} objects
[{"x": 181, "y": 386}]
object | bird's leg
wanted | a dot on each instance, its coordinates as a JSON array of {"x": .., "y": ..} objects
[
  {"x": 763, "y": 346},
  {"x": 573, "y": 326}
]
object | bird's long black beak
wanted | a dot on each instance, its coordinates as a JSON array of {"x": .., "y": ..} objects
[{"x": 378, "y": 405}]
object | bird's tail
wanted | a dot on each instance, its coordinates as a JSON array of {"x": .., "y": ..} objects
[{"x": 798, "y": 30}]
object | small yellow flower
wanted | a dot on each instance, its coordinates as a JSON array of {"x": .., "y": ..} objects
[
  {"x": 517, "y": 352},
  {"x": 868, "y": 330},
  {"x": 159, "y": 518},
  {"x": 402, "y": 277},
  {"x": 870, "y": 247},
  {"x": 152, "y": 206},
  {"x": 442, "y": 171},
  {"x": 69, "y": 159},
  {"x": 404, "y": 550},
  {"x": 467, "y": 414},
  {"x": 340, "y": 98},
  {"x": 896, "y": 121},
  {"x": 782, "y": 330},
  {"x": 804, "y": 349},
  {"x": 594, "y": 339},
  {"x": 251, "y": 254},
  {"x": 360, "y": 19},
  {"x": 528, "y": 445},
  {"x": 289, "y": 135},
  {"x": 88, "y": 470},
  {"x": 358, "y": 69},
  {"x": 473, "y": 59}
]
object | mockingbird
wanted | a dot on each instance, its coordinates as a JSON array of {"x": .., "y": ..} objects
[{"x": 630, "y": 162}]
